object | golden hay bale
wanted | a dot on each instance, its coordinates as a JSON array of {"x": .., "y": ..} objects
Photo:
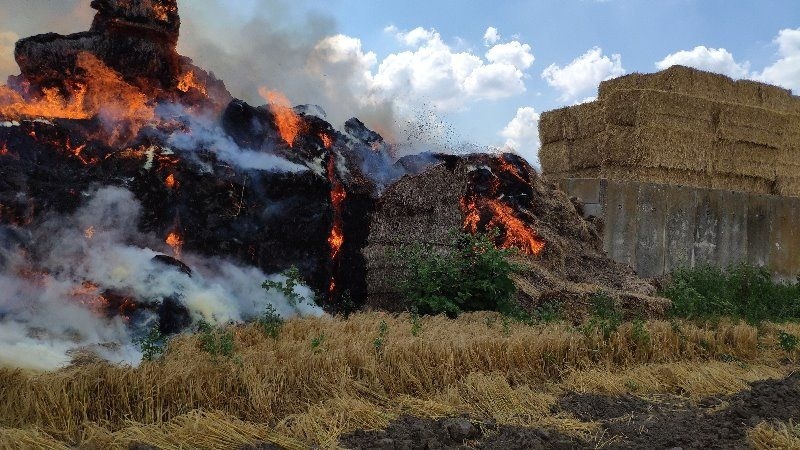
[
  {"x": 585, "y": 153},
  {"x": 744, "y": 158},
  {"x": 554, "y": 157},
  {"x": 551, "y": 125},
  {"x": 698, "y": 83},
  {"x": 751, "y": 124},
  {"x": 743, "y": 183},
  {"x": 659, "y": 147},
  {"x": 621, "y": 107},
  {"x": 678, "y": 111},
  {"x": 658, "y": 175},
  {"x": 788, "y": 186},
  {"x": 574, "y": 122}
]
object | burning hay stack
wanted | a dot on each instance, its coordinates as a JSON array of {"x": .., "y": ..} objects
[
  {"x": 680, "y": 126},
  {"x": 560, "y": 252}
]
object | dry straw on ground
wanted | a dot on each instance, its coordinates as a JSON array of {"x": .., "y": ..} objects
[
  {"x": 775, "y": 436},
  {"x": 289, "y": 392}
]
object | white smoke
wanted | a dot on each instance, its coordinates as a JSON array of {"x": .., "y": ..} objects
[
  {"x": 44, "y": 313},
  {"x": 205, "y": 132}
]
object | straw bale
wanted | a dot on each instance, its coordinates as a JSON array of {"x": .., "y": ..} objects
[
  {"x": 746, "y": 159},
  {"x": 551, "y": 126},
  {"x": 652, "y": 146},
  {"x": 586, "y": 153},
  {"x": 756, "y": 125},
  {"x": 622, "y": 107},
  {"x": 658, "y": 175},
  {"x": 673, "y": 110},
  {"x": 576, "y": 122},
  {"x": 788, "y": 186},
  {"x": 677, "y": 79},
  {"x": 768, "y": 96},
  {"x": 594, "y": 172},
  {"x": 554, "y": 157},
  {"x": 742, "y": 183}
]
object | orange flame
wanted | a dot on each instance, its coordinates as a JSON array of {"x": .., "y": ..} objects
[
  {"x": 338, "y": 196},
  {"x": 288, "y": 122},
  {"x": 175, "y": 241},
  {"x": 100, "y": 93},
  {"x": 89, "y": 233},
  {"x": 170, "y": 181},
  {"x": 327, "y": 141},
  {"x": 516, "y": 232},
  {"x": 88, "y": 294},
  {"x": 189, "y": 80}
]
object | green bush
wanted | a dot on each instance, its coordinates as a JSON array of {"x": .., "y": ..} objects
[
  {"x": 605, "y": 316},
  {"x": 152, "y": 345},
  {"x": 287, "y": 286},
  {"x": 741, "y": 291},
  {"x": 474, "y": 276},
  {"x": 216, "y": 341},
  {"x": 788, "y": 341},
  {"x": 270, "y": 322}
]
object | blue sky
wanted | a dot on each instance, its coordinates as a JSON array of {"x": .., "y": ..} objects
[{"x": 412, "y": 57}]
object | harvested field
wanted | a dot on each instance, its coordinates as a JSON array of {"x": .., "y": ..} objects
[{"x": 511, "y": 377}]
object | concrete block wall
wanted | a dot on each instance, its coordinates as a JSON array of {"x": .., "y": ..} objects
[{"x": 656, "y": 228}]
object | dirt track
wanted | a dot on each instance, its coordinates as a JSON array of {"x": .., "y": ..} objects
[{"x": 627, "y": 422}]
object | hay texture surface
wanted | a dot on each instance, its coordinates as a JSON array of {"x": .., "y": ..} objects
[
  {"x": 679, "y": 126},
  {"x": 571, "y": 267}
]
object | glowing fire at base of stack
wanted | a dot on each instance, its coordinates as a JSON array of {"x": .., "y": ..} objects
[{"x": 515, "y": 232}]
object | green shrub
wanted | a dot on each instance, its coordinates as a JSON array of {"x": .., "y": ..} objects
[
  {"x": 741, "y": 291},
  {"x": 152, "y": 345},
  {"x": 287, "y": 286},
  {"x": 270, "y": 322},
  {"x": 474, "y": 276},
  {"x": 216, "y": 341},
  {"x": 316, "y": 343},
  {"x": 605, "y": 316},
  {"x": 788, "y": 341},
  {"x": 380, "y": 341}
]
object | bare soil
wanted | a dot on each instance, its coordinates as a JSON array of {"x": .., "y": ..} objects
[{"x": 626, "y": 422}]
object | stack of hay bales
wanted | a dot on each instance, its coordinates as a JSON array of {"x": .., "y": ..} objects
[{"x": 679, "y": 126}]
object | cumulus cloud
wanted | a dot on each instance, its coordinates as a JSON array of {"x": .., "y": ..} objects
[
  {"x": 430, "y": 71},
  {"x": 7, "y": 63},
  {"x": 786, "y": 71},
  {"x": 491, "y": 36},
  {"x": 522, "y": 134},
  {"x": 716, "y": 60},
  {"x": 583, "y": 74}
]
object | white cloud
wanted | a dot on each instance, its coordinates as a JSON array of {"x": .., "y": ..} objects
[
  {"x": 514, "y": 53},
  {"x": 430, "y": 71},
  {"x": 786, "y": 71},
  {"x": 522, "y": 134},
  {"x": 716, "y": 60},
  {"x": 492, "y": 36},
  {"x": 583, "y": 74}
]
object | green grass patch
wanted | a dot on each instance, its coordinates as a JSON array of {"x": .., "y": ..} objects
[{"x": 741, "y": 292}]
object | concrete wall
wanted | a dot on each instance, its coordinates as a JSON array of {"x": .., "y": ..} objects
[{"x": 656, "y": 227}]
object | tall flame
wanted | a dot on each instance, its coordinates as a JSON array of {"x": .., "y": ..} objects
[
  {"x": 170, "y": 181},
  {"x": 288, "y": 122},
  {"x": 175, "y": 241},
  {"x": 338, "y": 196}
]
